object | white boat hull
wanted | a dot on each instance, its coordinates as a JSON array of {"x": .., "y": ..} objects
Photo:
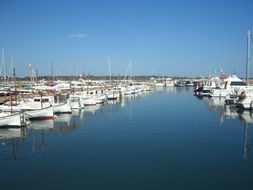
[
  {"x": 40, "y": 114},
  {"x": 62, "y": 108},
  {"x": 88, "y": 101},
  {"x": 113, "y": 96},
  {"x": 160, "y": 84},
  {"x": 75, "y": 102},
  {"x": 17, "y": 119}
]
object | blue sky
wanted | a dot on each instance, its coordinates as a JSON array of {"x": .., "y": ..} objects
[{"x": 161, "y": 37}]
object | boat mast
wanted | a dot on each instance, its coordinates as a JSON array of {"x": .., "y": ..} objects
[
  {"x": 52, "y": 70},
  {"x": 3, "y": 67},
  {"x": 248, "y": 56},
  {"x": 30, "y": 71},
  {"x": 130, "y": 72},
  {"x": 125, "y": 77},
  {"x": 36, "y": 76},
  {"x": 109, "y": 64},
  {"x": 14, "y": 82},
  {"x": 12, "y": 69}
]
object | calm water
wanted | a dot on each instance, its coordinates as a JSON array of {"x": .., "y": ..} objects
[{"x": 164, "y": 139}]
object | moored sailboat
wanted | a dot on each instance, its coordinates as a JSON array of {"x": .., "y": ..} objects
[{"x": 13, "y": 119}]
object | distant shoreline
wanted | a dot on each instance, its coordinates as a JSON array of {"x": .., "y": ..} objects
[{"x": 96, "y": 77}]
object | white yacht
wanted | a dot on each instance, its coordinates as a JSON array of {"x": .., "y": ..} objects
[
  {"x": 205, "y": 86},
  {"x": 232, "y": 85},
  {"x": 169, "y": 82},
  {"x": 160, "y": 83}
]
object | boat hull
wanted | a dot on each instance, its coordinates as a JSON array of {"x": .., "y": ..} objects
[
  {"x": 40, "y": 114},
  {"x": 12, "y": 120},
  {"x": 62, "y": 108}
]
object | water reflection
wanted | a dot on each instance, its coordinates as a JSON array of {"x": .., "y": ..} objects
[
  {"x": 228, "y": 111},
  {"x": 64, "y": 123},
  {"x": 232, "y": 112},
  {"x": 170, "y": 89},
  {"x": 184, "y": 89},
  {"x": 8, "y": 133},
  {"x": 246, "y": 117},
  {"x": 35, "y": 137},
  {"x": 92, "y": 109},
  {"x": 11, "y": 139},
  {"x": 216, "y": 104},
  {"x": 78, "y": 115},
  {"x": 42, "y": 124},
  {"x": 14, "y": 138}
]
